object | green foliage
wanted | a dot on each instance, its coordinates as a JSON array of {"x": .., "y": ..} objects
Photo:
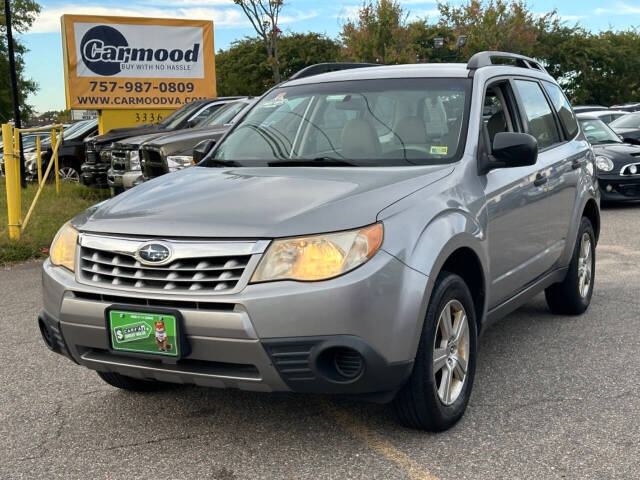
[
  {"x": 51, "y": 116},
  {"x": 599, "y": 68},
  {"x": 23, "y": 14},
  {"x": 243, "y": 69},
  {"x": 378, "y": 35}
]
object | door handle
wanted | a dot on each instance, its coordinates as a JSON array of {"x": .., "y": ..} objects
[{"x": 540, "y": 180}]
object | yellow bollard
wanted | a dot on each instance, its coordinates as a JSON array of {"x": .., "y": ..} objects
[
  {"x": 12, "y": 177},
  {"x": 55, "y": 160},
  {"x": 39, "y": 159}
]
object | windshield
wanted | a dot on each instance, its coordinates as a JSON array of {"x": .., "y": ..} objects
[
  {"x": 79, "y": 129},
  {"x": 627, "y": 121},
  {"x": 365, "y": 122},
  {"x": 179, "y": 116},
  {"x": 223, "y": 115},
  {"x": 597, "y": 131}
]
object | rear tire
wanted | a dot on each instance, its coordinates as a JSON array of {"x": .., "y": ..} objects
[
  {"x": 129, "y": 383},
  {"x": 573, "y": 296},
  {"x": 425, "y": 402}
]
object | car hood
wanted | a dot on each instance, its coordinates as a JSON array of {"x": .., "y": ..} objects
[
  {"x": 620, "y": 153},
  {"x": 182, "y": 135},
  {"x": 182, "y": 141},
  {"x": 264, "y": 202},
  {"x": 122, "y": 133},
  {"x": 133, "y": 143}
]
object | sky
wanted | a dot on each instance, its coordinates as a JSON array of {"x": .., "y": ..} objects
[{"x": 44, "y": 59}]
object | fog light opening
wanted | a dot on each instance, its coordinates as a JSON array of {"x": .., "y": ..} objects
[
  {"x": 341, "y": 364},
  {"x": 609, "y": 188}
]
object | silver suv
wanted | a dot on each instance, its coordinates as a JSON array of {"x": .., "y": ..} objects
[{"x": 353, "y": 234}]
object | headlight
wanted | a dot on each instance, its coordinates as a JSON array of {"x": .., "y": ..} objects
[
  {"x": 134, "y": 160},
  {"x": 105, "y": 156},
  {"x": 63, "y": 247},
  {"x": 318, "y": 257},
  {"x": 604, "y": 164},
  {"x": 178, "y": 162}
]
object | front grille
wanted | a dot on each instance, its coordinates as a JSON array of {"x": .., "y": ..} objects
[
  {"x": 202, "y": 274},
  {"x": 629, "y": 190},
  {"x": 154, "y": 165},
  {"x": 119, "y": 160},
  {"x": 91, "y": 156}
]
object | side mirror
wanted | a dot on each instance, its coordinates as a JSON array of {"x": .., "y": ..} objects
[
  {"x": 202, "y": 149},
  {"x": 511, "y": 149}
]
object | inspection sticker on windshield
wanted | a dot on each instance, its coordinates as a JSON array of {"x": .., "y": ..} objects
[
  {"x": 438, "y": 150},
  {"x": 276, "y": 101},
  {"x": 144, "y": 332}
]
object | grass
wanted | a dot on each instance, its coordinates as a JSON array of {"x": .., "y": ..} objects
[{"x": 50, "y": 213}]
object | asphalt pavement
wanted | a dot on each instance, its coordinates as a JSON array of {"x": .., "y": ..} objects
[{"x": 554, "y": 397}]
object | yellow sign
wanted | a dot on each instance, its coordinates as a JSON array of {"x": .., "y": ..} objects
[
  {"x": 110, "y": 119},
  {"x": 136, "y": 63}
]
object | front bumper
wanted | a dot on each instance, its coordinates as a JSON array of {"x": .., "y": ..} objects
[
  {"x": 267, "y": 337},
  {"x": 94, "y": 174},
  {"x": 617, "y": 188},
  {"x": 126, "y": 180}
]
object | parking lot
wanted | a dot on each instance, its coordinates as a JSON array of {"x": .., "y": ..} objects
[{"x": 554, "y": 397}]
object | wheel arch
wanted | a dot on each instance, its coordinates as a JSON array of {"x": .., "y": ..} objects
[
  {"x": 592, "y": 212},
  {"x": 465, "y": 263}
]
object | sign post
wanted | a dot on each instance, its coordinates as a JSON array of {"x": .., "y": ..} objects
[{"x": 121, "y": 66}]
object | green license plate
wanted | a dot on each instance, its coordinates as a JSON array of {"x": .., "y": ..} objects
[{"x": 153, "y": 333}]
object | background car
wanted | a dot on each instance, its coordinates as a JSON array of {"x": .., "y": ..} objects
[
  {"x": 98, "y": 156},
  {"x": 174, "y": 152},
  {"x": 588, "y": 108},
  {"x": 628, "y": 127},
  {"x": 71, "y": 152},
  {"x": 608, "y": 116},
  {"x": 617, "y": 163},
  {"x": 628, "y": 107}
]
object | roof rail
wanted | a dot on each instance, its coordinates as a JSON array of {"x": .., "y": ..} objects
[
  {"x": 484, "y": 59},
  {"x": 328, "y": 67}
]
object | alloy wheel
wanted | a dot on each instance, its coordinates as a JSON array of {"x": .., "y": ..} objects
[
  {"x": 69, "y": 175},
  {"x": 451, "y": 352},
  {"x": 585, "y": 266}
]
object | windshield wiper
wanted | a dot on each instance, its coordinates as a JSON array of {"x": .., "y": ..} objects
[{"x": 312, "y": 162}]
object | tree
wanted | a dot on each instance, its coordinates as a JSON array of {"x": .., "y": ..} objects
[
  {"x": 495, "y": 25},
  {"x": 243, "y": 69},
  {"x": 378, "y": 35},
  {"x": 24, "y": 13},
  {"x": 264, "y": 15}
]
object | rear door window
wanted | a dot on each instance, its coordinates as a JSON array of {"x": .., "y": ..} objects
[
  {"x": 542, "y": 124},
  {"x": 563, "y": 109}
]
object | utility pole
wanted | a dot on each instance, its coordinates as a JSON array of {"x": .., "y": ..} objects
[{"x": 14, "y": 85}]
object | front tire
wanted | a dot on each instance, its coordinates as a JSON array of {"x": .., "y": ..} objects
[
  {"x": 573, "y": 295},
  {"x": 437, "y": 393}
]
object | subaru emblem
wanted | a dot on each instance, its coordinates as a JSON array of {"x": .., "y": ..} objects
[{"x": 153, "y": 253}]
